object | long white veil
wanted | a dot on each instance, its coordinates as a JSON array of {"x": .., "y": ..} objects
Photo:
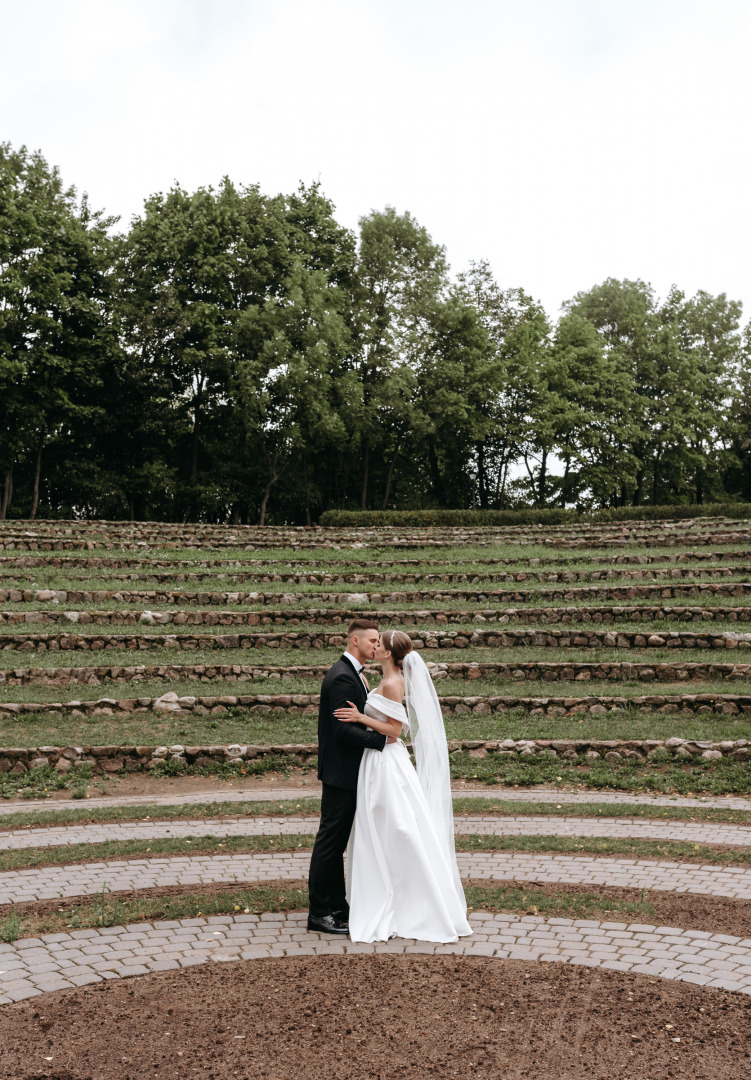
[{"x": 431, "y": 754}]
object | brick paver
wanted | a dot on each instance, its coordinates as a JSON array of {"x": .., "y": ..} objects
[
  {"x": 193, "y": 871},
  {"x": 637, "y": 828},
  {"x": 718, "y": 960}
]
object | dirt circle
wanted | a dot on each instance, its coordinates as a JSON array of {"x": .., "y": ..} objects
[{"x": 383, "y": 1017}]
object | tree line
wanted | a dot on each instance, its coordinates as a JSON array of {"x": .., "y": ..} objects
[{"x": 237, "y": 356}]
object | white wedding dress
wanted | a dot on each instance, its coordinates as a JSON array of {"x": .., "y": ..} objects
[{"x": 400, "y": 881}]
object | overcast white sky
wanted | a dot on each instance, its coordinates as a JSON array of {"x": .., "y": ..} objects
[{"x": 563, "y": 140}]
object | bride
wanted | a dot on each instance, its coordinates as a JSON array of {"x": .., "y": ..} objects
[{"x": 402, "y": 877}]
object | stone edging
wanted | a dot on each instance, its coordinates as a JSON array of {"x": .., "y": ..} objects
[
  {"x": 457, "y": 705},
  {"x": 437, "y": 577},
  {"x": 329, "y": 617},
  {"x": 97, "y": 562},
  {"x": 21, "y": 542},
  {"x": 528, "y": 670},
  {"x": 654, "y": 591},
  {"x": 425, "y": 639},
  {"x": 17, "y": 760}
]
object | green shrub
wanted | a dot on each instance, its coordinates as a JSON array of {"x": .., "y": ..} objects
[{"x": 527, "y": 516}]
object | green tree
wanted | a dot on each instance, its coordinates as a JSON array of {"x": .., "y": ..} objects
[
  {"x": 290, "y": 382},
  {"x": 517, "y": 329},
  {"x": 454, "y": 380},
  {"x": 401, "y": 275},
  {"x": 578, "y": 415},
  {"x": 672, "y": 366},
  {"x": 701, "y": 350},
  {"x": 56, "y": 329},
  {"x": 190, "y": 263}
]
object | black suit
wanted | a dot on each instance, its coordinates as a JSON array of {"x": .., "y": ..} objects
[{"x": 340, "y": 748}]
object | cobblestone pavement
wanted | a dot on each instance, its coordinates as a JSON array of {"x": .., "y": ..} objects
[
  {"x": 278, "y": 794},
  {"x": 59, "y": 961},
  {"x": 123, "y": 876},
  {"x": 636, "y": 828}
]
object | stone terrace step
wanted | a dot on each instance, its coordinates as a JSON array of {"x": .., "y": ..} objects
[
  {"x": 110, "y": 563},
  {"x": 538, "y": 670},
  {"x": 425, "y": 639},
  {"x": 480, "y": 705},
  {"x": 393, "y": 542},
  {"x": 371, "y": 577},
  {"x": 333, "y": 617},
  {"x": 111, "y": 759},
  {"x": 150, "y": 529},
  {"x": 661, "y": 591}
]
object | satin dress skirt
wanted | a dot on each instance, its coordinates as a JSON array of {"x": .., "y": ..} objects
[{"x": 399, "y": 883}]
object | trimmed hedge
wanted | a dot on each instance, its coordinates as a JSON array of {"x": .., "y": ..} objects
[{"x": 528, "y": 515}]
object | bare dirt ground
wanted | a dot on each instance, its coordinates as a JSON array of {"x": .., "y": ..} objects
[
  {"x": 380, "y": 1017},
  {"x": 141, "y": 784}
]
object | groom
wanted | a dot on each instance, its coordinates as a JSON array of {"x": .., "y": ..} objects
[{"x": 340, "y": 748}]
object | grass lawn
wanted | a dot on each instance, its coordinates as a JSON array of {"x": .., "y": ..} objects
[
  {"x": 305, "y": 598},
  {"x": 463, "y": 805},
  {"x": 577, "y": 620},
  {"x": 273, "y": 729},
  {"x": 385, "y": 555},
  {"x": 117, "y": 910},
  {"x": 448, "y": 687},
  {"x": 76, "y": 854},
  {"x": 11, "y": 660},
  {"x": 243, "y": 582}
]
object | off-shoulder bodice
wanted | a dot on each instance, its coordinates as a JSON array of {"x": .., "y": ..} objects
[{"x": 383, "y": 708}]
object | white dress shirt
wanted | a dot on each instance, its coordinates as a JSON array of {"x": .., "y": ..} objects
[{"x": 357, "y": 666}]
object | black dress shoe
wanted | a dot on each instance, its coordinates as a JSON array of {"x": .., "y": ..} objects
[
  {"x": 326, "y": 924},
  {"x": 341, "y": 917}
]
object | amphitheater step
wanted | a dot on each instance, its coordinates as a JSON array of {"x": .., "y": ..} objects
[
  {"x": 422, "y": 639},
  {"x": 538, "y": 671}
]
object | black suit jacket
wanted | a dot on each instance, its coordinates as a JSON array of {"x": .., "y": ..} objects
[{"x": 340, "y": 745}]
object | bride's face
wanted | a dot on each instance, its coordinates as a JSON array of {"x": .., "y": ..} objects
[{"x": 381, "y": 651}]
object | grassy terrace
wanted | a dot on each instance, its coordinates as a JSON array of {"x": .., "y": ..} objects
[
  {"x": 303, "y": 597},
  {"x": 384, "y": 556},
  {"x": 214, "y": 661},
  {"x": 447, "y": 688},
  {"x": 235, "y": 569},
  {"x": 636, "y": 624},
  {"x": 396, "y": 578},
  {"x": 696, "y": 777},
  {"x": 274, "y": 729},
  {"x": 202, "y": 570}
]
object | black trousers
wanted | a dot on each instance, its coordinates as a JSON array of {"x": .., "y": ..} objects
[{"x": 326, "y": 880}]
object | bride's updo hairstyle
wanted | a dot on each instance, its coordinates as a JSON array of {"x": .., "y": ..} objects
[{"x": 398, "y": 644}]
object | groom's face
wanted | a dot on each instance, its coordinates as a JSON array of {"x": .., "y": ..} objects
[{"x": 366, "y": 643}]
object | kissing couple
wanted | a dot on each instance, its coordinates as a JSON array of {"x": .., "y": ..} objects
[{"x": 396, "y": 822}]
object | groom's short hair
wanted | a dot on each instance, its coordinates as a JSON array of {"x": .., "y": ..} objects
[{"x": 357, "y": 625}]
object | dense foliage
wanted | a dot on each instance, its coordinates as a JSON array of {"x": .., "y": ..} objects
[
  {"x": 235, "y": 356},
  {"x": 530, "y": 515}
]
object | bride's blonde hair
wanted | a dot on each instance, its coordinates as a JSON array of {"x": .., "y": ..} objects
[{"x": 398, "y": 644}]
